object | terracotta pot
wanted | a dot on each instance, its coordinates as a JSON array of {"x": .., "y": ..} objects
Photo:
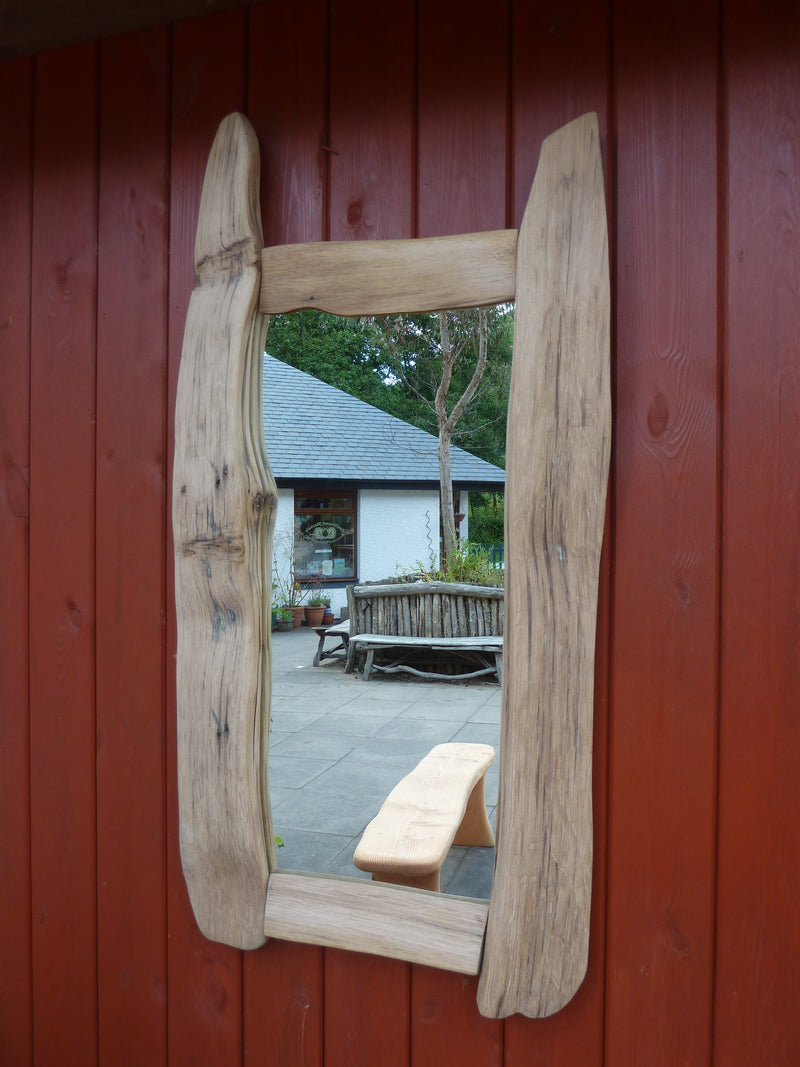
[
  {"x": 297, "y": 611},
  {"x": 327, "y": 618},
  {"x": 314, "y": 615}
]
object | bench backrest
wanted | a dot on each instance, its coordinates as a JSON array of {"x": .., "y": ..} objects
[{"x": 426, "y": 609}]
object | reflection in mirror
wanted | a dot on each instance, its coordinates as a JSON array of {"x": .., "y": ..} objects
[{"x": 354, "y": 410}]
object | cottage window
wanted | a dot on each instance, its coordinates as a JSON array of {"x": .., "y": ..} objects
[{"x": 325, "y": 534}]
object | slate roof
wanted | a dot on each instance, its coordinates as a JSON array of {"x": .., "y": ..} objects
[{"x": 315, "y": 432}]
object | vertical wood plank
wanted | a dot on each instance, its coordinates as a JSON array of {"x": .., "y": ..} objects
[
  {"x": 287, "y": 105},
  {"x": 16, "y": 81},
  {"x": 204, "y": 978},
  {"x": 372, "y": 139},
  {"x": 284, "y": 1005},
  {"x": 62, "y": 546},
  {"x": 463, "y": 121},
  {"x": 560, "y": 64},
  {"x": 371, "y": 171},
  {"x": 445, "y": 1020},
  {"x": 758, "y": 944},
  {"x": 366, "y": 1010},
  {"x": 131, "y": 483},
  {"x": 463, "y": 118},
  {"x": 664, "y": 661}
]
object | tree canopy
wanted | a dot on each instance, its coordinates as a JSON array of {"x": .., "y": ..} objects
[{"x": 394, "y": 363}]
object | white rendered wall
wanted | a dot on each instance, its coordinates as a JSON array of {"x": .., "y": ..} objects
[{"x": 396, "y": 529}]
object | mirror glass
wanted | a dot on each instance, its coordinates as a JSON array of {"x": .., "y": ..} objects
[{"x": 359, "y": 502}]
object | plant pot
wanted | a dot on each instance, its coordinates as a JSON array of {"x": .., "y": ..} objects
[
  {"x": 314, "y": 615},
  {"x": 297, "y": 611},
  {"x": 282, "y": 625},
  {"x": 327, "y": 618}
]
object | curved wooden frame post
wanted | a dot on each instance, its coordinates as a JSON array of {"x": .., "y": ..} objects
[{"x": 223, "y": 512}]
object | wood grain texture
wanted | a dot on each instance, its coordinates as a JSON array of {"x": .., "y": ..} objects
[
  {"x": 664, "y": 666},
  {"x": 446, "y": 1026},
  {"x": 462, "y": 104},
  {"x": 62, "y": 572},
  {"x": 283, "y": 1005},
  {"x": 558, "y": 453},
  {"x": 16, "y": 170},
  {"x": 389, "y": 277},
  {"x": 421, "y": 817},
  {"x": 371, "y": 150},
  {"x": 224, "y": 500},
  {"x": 403, "y": 924},
  {"x": 131, "y": 518},
  {"x": 287, "y": 104},
  {"x": 367, "y": 1010},
  {"x": 758, "y": 927},
  {"x": 560, "y": 69},
  {"x": 205, "y": 1023}
]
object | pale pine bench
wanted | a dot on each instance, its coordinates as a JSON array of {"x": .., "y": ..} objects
[{"x": 439, "y": 804}]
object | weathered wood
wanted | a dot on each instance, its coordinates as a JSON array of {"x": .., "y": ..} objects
[
  {"x": 558, "y": 450},
  {"x": 404, "y": 924},
  {"x": 468, "y": 644},
  {"x": 477, "y": 648},
  {"x": 387, "y": 277},
  {"x": 224, "y": 501},
  {"x": 440, "y": 803}
]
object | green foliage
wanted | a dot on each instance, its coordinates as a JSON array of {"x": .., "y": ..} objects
[
  {"x": 394, "y": 363},
  {"x": 465, "y": 564},
  {"x": 283, "y": 613},
  {"x": 486, "y": 518}
]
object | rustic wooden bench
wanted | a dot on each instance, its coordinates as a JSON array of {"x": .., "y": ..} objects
[
  {"x": 439, "y": 804},
  {"x": 488, "y": 651},
  {"x": 458, "y": 620},
  {"x": 340, "y": 631}
]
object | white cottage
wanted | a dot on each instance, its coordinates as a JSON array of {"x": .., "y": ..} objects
[{"x": 358, "y": 488}]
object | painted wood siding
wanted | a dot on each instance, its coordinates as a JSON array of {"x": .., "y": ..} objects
[{"x": 420, "y": 120}]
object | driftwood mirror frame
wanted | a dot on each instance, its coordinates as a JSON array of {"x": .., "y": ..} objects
[{"x": 530, "y": 941}]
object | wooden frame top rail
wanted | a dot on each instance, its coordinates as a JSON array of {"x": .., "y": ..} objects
[{"x": 358, "y": 278}]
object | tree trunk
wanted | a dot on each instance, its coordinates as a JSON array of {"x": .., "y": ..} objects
[{"x": 446, "y": 494}]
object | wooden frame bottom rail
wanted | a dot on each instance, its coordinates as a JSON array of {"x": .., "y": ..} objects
[{"x": 405, "y": 924}]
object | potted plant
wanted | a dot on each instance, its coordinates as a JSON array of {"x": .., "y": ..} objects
[
  {"x": 284, "y": 618},
  {"x": 289, "y": 591},
  {"x": 315, "y": 609},
  {"x": 327, "y": 616}
]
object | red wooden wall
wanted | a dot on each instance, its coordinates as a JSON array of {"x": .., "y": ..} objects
[{"x": 425, "y": 119}]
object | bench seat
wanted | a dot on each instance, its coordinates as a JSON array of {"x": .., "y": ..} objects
[
  {"x": 440, "y": 803},
  {"x": 488, "y": 650}
]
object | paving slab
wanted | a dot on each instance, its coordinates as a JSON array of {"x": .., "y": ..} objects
[{"x": 339, "y": 745}]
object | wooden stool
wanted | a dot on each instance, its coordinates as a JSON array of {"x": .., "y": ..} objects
[{"x": 440, "y": 803}]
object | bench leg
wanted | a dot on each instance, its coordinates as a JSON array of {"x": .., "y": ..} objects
[
  {"x": 318, "y": 656},
  {"x": 475, "y": 828},
  {"x": 415, "y": 881},
  {"x": 351, "y": 657},
  {"x": 368, "y": 664},
  {"x": 498, "y": 662}
]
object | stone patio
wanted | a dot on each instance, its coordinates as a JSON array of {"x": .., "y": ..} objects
[{"x": 339, "y": 745}]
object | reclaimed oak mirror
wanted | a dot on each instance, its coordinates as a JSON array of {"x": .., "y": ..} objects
[{"x": 530, "y": 941}]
